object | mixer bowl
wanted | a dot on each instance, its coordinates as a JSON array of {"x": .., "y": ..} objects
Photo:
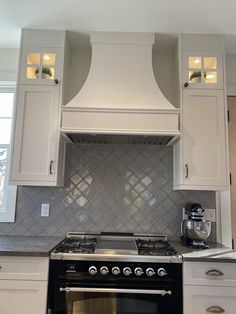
[{"x": 196, "y": 230}]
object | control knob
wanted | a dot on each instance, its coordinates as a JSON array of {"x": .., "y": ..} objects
[
  {"x": 161, "y": 272},
  {"x": 127, "y": 271},
  {"x": 138, "y": 271},
  {"x": 92, "y": 270},
  {"x": 150, "y": 272},
  {"x": 104, "y": 270},
  {"x": 115, "y": 270}
]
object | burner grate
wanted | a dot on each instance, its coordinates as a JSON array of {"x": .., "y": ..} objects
[
  {"x": 75, "y": 245},
  {"x": 155, "y": 247}
]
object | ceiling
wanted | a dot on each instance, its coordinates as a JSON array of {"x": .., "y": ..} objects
[{"x": 82, "y": 16}]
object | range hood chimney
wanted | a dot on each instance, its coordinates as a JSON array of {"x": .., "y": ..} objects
[{"x": 121, "y": 95}]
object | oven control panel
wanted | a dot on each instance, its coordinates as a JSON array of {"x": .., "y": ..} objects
[{"x": 117, "y": 270}]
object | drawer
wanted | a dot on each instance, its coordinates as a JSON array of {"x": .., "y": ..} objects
[
  {"x": 205, "y": 300},
  {"x": 210, "y": 274},
  {"x": 24, "y": 268}
]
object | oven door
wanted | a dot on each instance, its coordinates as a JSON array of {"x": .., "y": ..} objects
[{"x": 84, "y": 300}]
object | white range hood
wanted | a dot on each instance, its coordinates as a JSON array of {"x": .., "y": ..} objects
[{"x": 120, "y": 95}]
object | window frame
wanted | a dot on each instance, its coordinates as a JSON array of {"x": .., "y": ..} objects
[{"x": 7, "y": 212}]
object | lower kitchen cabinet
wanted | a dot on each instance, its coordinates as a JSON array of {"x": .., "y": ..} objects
[
  {"x": 23, "y": 284},
  {"x": 23, "y": 297},
  {"x": 38, "y": 150},
  {"x": 209, "y": 287},
  {"x": 205, "y": 299}
]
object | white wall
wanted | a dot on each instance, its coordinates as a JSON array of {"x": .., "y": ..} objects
[{"x": 8, "y": 64}]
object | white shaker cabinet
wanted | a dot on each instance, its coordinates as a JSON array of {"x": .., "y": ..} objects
[
  {"x": 201, "y": 154},
  {"x": 209, "y": 287},
  {"x": 35, "y": 155},
  {"x": 23, "y": 285},
  {"x": 202, "y": 148},
  {"x": 23, "y": 297},
  {"x": 38, "y": 150}
]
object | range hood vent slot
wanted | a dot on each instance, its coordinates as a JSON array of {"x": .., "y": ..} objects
[{"x": 120, "y": 139}]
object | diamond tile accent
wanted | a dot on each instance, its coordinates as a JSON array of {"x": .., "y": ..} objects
[{"x": 108, "y": 188}]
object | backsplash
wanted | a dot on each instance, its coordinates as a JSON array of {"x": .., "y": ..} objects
[{"x": 108, "y": 188}]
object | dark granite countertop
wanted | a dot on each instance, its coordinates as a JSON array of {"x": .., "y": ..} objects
[
  {"x": 216, "y": 253},
  {"x": 27, "y": 246}
]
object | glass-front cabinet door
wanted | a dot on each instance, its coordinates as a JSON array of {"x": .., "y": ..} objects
[
  {"x": 202, "y": 70},
  {"x": 41, "y": 66}
]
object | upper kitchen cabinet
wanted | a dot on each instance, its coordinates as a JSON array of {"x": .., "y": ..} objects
[
  {"x": 41, "y": 66},
  {"x": 202, "y": 70},
  {"x": 41, "y": 61},
  {"x": 200, "y": 155},
  {"x": 38, "y": 149}
]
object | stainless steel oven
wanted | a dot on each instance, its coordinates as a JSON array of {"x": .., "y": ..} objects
[{"x": 75, "y": 289}]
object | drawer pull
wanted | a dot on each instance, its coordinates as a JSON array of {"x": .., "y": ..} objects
[
  {"x": 215, "y": 309},
  {"x": 214, "y": 272}
]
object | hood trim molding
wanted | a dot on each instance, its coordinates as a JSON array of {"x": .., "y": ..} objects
[{"x": 120, "y": 121}]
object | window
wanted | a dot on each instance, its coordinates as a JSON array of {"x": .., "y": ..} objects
[{"x": 7, "y": 192}]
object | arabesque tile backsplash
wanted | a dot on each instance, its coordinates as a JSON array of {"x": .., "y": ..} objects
[{"x": 108, "y": 188}]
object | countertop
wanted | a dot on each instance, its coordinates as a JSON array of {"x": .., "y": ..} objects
[
  {"x": 27, "y": 246},
  {"x": 216, "y": 253},
  {"x": 42, "y": 246}
]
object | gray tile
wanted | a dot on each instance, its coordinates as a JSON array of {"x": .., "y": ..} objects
[{"x": 108, "y": 187}]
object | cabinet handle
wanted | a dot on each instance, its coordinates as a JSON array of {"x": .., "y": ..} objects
[
  {"x": 215, "y": 309},
  {"x": 56, "y": 81},
  {"x": 186, "y": 84},
  {"x": 50, "y": 167},
  {"x": 186, "y": 171},
  {"x": 214, "y": 272}
]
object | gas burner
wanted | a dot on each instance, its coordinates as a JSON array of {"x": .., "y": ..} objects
[
  {"x": 155, "y": 247},
  {"x": 77, "y": 245}
]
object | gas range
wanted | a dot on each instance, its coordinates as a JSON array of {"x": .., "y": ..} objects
[
  {"x": 116, "y": 246},
  {"x": 115, "y": 273}
]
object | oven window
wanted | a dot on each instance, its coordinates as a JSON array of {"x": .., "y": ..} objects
[{"x": 110, "y": 303}]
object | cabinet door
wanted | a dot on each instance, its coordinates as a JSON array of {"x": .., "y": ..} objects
[
  {"x": 202, "y": 70},
  {"x": 34, "y": 155},
  {"x": 23, "y": 297},
  {"x": 204, "y": 139},
  {"x": 206, "y": 300},
  {"x": 41, "y": 66}
]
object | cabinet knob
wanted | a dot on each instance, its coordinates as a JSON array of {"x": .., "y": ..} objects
[
  {"x": 56, "y": 81},
  {"x": 215, "y": 309},
  {"x": 186, "y": 84}
]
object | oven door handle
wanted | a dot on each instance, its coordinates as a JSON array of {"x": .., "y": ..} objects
[{"x": 113, "y": 290}]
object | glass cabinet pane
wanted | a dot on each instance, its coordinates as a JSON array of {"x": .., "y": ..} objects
[
  {"x": 211, "y": 77},
  {"x": 49, "y": 59},
  {"x": 194, "y": 62},
  {"x": 32, "y": 73},
  {"x": 210, "y": 63},
  {"x": 33, "y": 58}
]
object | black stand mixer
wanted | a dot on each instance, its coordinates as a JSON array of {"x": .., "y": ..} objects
[{"x": 195, "y": 229}]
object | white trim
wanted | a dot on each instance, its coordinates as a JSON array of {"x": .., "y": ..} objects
[{"x": 9, "y": 214}]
